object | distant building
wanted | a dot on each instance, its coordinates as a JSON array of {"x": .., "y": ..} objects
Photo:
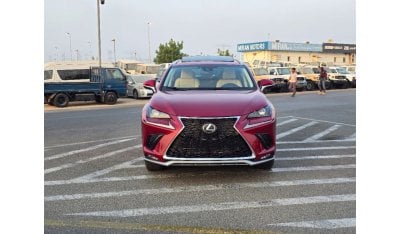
[{"x": 297, "y": 53}]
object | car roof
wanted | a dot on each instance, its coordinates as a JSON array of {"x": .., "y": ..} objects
[{"x": 190, "y": 60}]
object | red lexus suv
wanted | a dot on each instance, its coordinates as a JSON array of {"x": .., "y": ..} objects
[{"x": 208, "y": 110}]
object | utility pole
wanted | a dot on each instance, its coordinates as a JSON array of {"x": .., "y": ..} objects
[
  {"x": 115, "y": 59},
  {"x": 148, "y": 33},
  {"x": 98, "y": 28}
]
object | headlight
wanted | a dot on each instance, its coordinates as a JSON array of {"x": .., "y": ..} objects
[
  {"x": 156, "y": 114},
  {"x": 266, "y": 111}
]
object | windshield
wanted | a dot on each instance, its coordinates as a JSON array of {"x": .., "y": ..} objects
[
  {"x": 332, "y": 70},
  {"x": 283, "y": 71},
  {"x": 208, "y": 77},
  {"x": 260, "y": 71},
  {"x": 307, "y": 70},
  {"x": 316, "y": 70},
  {"x": 342, "y": 71}
]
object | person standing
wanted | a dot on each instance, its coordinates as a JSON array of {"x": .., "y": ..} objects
[
  {"x": 293, "y": 81},
  {"x": 323, "y": 76}
]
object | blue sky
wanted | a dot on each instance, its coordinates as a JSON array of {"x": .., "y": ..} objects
[{"x": 203, "y": 25}]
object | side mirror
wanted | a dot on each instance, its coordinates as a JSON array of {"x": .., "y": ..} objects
[
  {"x": 150, "y": 83},
  {"x": 265, "y": 83}
]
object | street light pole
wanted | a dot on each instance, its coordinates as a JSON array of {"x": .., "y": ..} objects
[
  {"x": 90, "y": 50},
  {"x": 70, "y": 47},
  {"x": 55, "y": 47},
  {"x": 77, "y": 53},
  {"x": 148, "y": 33},
  {"x": 115, "y": 59}
]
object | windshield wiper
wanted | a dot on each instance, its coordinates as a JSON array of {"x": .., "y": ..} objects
[{"x": 175, "y": 88}]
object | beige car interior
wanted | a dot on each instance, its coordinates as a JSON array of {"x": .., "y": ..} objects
[
  {"x": 228, "y": 77},
  {"x": 186, "y": 80}
]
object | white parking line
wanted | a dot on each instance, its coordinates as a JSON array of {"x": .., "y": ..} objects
[
  {"x": 68, "y": 165},
  {"x": 85, "y": 142},
  {"x": 350, "y": 125},
  {"x": 219, "y": 206},
  {"x": 199, "y": 188},
  {"x": 313, "y": 168},
  {"x": 316, "y": 141},
  {"x": 85, "y": 149},
  {"x": 316, "y": 148},
  {"x": 295, "y": 130},
  {"x": 107, "y": 170},
  {"x": 315, "y": 157},
  {"x": 321, "y": 134},
  {"x": 84, "y": 180},
  {"x": 321, "y": 224},
  {"x": 286, "y": 122},
  {"x": 353, "y": 136}
]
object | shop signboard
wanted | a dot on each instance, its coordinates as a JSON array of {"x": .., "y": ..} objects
[
  {"x": 289, "y": 46},
  {"x": 339, "y": 48},
  {"x": 256, "y": 46}
]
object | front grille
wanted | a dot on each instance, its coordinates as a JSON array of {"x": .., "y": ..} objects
[{"x": 193, "y": 142}]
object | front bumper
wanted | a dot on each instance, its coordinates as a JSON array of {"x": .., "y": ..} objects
[
  {"x": 211, "y": 162},
  {"x": 159, "y": 151}
]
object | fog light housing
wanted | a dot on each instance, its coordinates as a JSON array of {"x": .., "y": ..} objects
[
  {"x": 265, "y": 139},
  {"x": 152, "y": 140}
]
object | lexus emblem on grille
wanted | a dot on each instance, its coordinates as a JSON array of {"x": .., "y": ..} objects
[{"x": 209, "y": 128}]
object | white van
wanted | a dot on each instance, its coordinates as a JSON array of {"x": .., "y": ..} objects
[{"x": 70, "y": 71}]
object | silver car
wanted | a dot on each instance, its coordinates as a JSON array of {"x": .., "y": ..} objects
[{"x": 135, "y": 87}]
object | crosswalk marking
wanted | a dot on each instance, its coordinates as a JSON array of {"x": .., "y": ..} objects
[
  {"x": 279, "y": 136},
  {"x": 86, "y": 142},
  {"x": 313, "y": 168},
  {"x": 106, "y": 170},
  {"x": 316, "y": 148},
  {"x": 315, "y": 157},
  {"x": 286, "y": 122},
  {"x": 57, "y": 156},
  {"x": 321, "y": 134},
  {"x": 92, "y": 179},
  {"x": 218, "y": 206},
  {"x": 200, "y": 188},
  {"x": 321, "y": 224},
  {"x": 68, "y": 165}
]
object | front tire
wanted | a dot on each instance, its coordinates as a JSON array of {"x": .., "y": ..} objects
[
  {"x": 152, "y": 166},
  {"x": 60, "y": 100},
  {"x": 266, "y": 166},
  {"x": 135, "y": 94},
  {"x": 310, "y": 86},
  {"x": 110, "y": 98}
]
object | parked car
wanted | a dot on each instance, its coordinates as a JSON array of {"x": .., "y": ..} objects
[
  {"x": 208, "y": 110},
  {"x": 351, "y": 77},
  {"x": 261, "y": 74},
  {"x": 312, "y": 76},
  {"x": 136, "y": 89},
  {"x": 301, "y": 83},
  {"x": 337, "y": 79},
  {"x": 280, "y": 75}
]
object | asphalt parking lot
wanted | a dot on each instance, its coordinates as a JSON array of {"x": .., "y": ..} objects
[{"x": 95, "y": 179}]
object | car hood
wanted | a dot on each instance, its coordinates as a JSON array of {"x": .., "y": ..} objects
[{"x": 208, "y": 103}]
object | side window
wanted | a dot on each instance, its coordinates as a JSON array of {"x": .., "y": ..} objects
[
  {"x": 272, "y": 72},
  {"x": 78, "y": 74},
  {"x": 115, "y": 73},
  {"x": 48, "y": 74}
]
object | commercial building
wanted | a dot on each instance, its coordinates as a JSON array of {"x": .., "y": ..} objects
[{"x": 289, "y": 52}]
